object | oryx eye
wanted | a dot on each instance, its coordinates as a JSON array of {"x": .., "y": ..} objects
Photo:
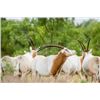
[{"x": 66, "y": 49}]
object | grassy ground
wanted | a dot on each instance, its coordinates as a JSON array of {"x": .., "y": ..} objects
[{"x": 62, "y": 78}]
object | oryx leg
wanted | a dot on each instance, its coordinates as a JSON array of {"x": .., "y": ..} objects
[
  {"x": 85, "y": 74},
  {"x": 94, "y": 79},
  {"x": 34, "y": 75},
  {"x": 37, "y": 76},
  {"x": 0, "y": 78},
  {"x": 1, "y": 74},
  {"x": 80, "y": 75},
  {"x": 58, "y": 74},
  {"x": 24, "y": 74}
]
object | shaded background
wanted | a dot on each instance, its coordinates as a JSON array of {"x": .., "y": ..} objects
[{"x": 15, "y": 34}]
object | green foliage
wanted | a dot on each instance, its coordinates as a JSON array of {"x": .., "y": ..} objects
[
  {"x": 83, "y": 81},
  {"x": 8, "y": 69},
  {"x": 15, "y": 34}
]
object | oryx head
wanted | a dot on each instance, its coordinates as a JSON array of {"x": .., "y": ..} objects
[
  {"x": 85, "y": 48},
  {"x": 33, "y": 52},
  {"x": 67, "y": 52}
]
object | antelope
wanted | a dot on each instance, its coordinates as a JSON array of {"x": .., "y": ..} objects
[
  {"x": 24, "y": 64},
  {"x": 50, "y": 65},
  {"x": 73, "y": 65},
  {"x": 90, "y": 63}
]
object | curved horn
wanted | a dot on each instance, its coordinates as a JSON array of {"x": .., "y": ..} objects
[
  {"x": 86, "y": 36},
  {"x": 82, "y": 45},
  {"x": 31, "y": 43},
  {"x": 47, "y": 46},
  {"x": 88, "y": 41},
  {"x": 88, "y": 45}
]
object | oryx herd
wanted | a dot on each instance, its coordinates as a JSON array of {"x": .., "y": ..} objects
[{"x": 65, "y": 61}]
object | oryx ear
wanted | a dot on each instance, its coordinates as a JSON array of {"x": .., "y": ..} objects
[
  {"x": 90, "y": 51},
  {"x": 30, "y": 48}
]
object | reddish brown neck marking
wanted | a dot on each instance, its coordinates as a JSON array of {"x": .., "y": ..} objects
[{"x": 58, "y": 61}]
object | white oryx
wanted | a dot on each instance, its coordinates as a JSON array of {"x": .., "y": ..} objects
[
  {"x": 51, "y": 65},
  {"x": 91, "y": 66},
  {"x": 24, "y": 63},
  {"x": 90, "y": 63},
  {"x": 73, "y": 65}
]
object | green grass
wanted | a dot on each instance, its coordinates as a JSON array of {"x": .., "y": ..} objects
[
  {"x": 8, "y": 69},
  {"x": 83, "y": 81}
]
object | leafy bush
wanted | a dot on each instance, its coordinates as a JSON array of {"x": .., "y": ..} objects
[
  {"x": 15, "y": 34},
  {"x": 8, "y": 69}
]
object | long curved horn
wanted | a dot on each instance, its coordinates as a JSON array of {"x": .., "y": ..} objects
[
  {"x": 47, "y": 46},
  {"x": 88, "y": 41},
  {"x": 31, "y": 42},
  {"x": 88, "y": 44},
  {"x": 86, "y": 36},
  {"x": 82, "y": 45}
]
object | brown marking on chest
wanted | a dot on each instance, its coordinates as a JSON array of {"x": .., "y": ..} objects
[{"x": 58, "y": 61}]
